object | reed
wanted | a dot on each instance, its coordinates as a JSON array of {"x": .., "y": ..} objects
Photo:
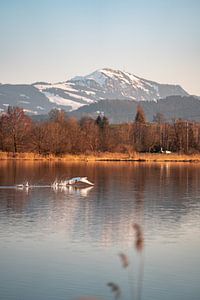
[
  {"x": 125, "y": 261},
  {"x": 103, "y": 156},
  {"x": 115, "y": 289}
]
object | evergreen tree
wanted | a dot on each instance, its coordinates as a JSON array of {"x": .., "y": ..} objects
[
  {"x": 102, "y": 122},
  {"x": 140, "y": 115},
  {"x": 98, "y": 121}
]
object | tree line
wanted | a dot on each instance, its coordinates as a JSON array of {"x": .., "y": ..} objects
[{"x": 61, "y": 134}]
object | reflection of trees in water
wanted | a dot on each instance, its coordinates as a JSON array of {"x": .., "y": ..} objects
[
  {"x": 158, "y": 193},
  {"x": 123, "y": 193},
  {"x": 10, "y": 201}
]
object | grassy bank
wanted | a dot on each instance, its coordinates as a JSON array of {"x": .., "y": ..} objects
[{"x": 145, "y": 157}]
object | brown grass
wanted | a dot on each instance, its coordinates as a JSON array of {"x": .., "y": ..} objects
[{"x": 106, "y": 156}]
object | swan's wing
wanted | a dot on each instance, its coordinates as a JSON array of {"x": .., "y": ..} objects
[{"x": 85, "y": 180}]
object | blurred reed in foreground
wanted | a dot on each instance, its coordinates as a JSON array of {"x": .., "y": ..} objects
[{"x": 125, "y": 261}]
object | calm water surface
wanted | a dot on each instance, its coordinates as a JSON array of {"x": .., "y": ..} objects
[{"x": 65, "y": 244}]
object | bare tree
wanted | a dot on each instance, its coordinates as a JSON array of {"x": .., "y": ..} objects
[{"x": 16, "y": 126}]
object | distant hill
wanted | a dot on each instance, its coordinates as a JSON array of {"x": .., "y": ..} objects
[{"x": 119, "y": 111}]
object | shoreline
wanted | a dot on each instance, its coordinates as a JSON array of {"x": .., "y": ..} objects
[{"x": 97, "y": 157}]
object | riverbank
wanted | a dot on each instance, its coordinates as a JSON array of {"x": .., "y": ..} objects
[{"x": 143, "y": 157}]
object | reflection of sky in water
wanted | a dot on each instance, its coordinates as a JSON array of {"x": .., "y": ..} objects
[{"x": 59, "y": 244}]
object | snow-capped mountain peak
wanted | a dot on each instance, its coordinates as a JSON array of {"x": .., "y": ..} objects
[
  {"x": 116, "y": 84},
  {"x": 102, "y": 84},
  {"x": 102, "y": 75}
]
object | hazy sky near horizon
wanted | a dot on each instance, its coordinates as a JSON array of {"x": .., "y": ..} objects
[{"x": 54, "y": 40}]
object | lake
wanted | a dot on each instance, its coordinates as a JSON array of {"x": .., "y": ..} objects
[{"x": 65, "y": 243}]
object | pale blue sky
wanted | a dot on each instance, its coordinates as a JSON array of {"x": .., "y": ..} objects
[{"x": 54, "y": 40}]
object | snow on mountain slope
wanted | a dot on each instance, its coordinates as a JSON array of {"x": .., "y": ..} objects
[
  {"x": 106, "y": 84},
  {"x": 65, "y": 94},
  {"x": 26, "y": 96},
  {"x": 115, "y": 84},
  {"x": 103, "y": 84}
]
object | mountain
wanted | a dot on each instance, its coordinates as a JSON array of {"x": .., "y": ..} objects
[
  {"x": 103, "y": 84},
  {"x": 172, "y": 107},
  {"x": 26, "y": 96},
  {"x": 106, "y": 84},
  {"x": 115, "y": 84}
]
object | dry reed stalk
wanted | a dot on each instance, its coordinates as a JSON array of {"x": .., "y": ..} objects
[
  {"x": 139, "y": 245},
  {"x": 139, "y": 241},
  {"x": 105, "y": 156},
  {"x": 115, "y": 289},
  {"x": 124, "y": 260}
]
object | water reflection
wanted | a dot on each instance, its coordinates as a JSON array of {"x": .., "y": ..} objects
[
  {"x": 83, "y": 191},
  {"x": 123, "y": 193},
  {"x": 85, "y": 229}
]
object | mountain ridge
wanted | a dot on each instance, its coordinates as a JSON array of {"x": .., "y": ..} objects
[
  {"x": 102, "y": 84},
  {"x": 171, "y": 108}
]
